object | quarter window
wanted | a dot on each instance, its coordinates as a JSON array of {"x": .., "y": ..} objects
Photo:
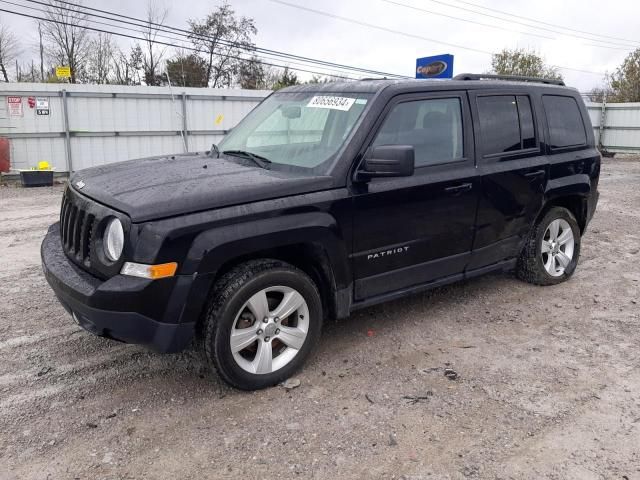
[
  {"x": 566, "y": 128},
  {"x": 433, "y": 127},
  {"x": 506, "y": 123}
]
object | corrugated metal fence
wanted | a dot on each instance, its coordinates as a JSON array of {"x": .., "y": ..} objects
[
  {"x": 78, "y": 126},
  {"x": 616, "y": 126}
]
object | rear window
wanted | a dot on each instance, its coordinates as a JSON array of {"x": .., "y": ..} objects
[
  {"x": 506, "y": 123},
  {"x": 566, "y": 128}
]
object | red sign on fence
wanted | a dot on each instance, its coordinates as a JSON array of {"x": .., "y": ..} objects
[{"x": 14, "y": 106}]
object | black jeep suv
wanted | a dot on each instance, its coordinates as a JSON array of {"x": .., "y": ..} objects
[{"x": 323, "y": 200}]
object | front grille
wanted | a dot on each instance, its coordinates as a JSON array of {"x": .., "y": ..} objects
[{"x": 76, "y": 229}]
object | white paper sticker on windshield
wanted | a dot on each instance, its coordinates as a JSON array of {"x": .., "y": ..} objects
[{"x": 334, "y": 103}]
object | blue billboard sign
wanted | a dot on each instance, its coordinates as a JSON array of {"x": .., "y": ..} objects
[{"x": 438, "y": 66}]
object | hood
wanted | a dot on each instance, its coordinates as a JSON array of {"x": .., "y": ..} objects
[{"x": 157, "y": 187}]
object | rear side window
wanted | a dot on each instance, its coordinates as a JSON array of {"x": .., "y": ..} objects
[
  {"x": 506, "y": 123},
  {"x": 566, "y": 128},
  {"x": 432, "y": 127}
]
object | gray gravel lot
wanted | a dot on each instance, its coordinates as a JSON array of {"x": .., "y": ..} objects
[{"x": 548, "y": 386}]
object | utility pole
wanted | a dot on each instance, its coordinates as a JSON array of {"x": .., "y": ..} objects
[
  {"x": 603, "y": 117},
  {"x": 41, "y": 53}
]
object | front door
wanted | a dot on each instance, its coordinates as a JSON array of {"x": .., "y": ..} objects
[{"x": 412, "y": 231}]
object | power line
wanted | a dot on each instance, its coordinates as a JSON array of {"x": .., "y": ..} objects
[
  {"x": 466, "y": 20},
  {"x": 189, "y": 34},
  {"x": 545, "y": 23},
  {"x": 35, "y": 17},
  {"x": 96, "y": 22},
  {"x": 528, "y": 25},
  {"x": 405, "y": 34},
  {"x": 377, "y": 27},
  {"x": 431, "y": 12}
]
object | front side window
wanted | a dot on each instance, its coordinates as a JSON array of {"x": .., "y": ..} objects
[
  {"x": 299, "y": 130},
  {"x": 433, "y": 127},
  {"x": 566, "y": 128},
  {"x": 506, "y": 123}
]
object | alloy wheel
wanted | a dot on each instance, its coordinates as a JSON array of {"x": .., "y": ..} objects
[
  {"x": 269, "y": 330},
  {"x": 557, "y": 247}
]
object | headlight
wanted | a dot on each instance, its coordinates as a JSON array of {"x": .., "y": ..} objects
[{"x": 113, "y": 240}]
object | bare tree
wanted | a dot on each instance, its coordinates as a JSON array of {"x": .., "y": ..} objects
[
  {"x": 127, "y": 69},
  {"x": 222, "y": 37},
  {"x": 99, "y": 62},
  {"x": 66, "y": 41},
  {"x": 9, "y": 50},
  {"x": 152, "y": 58}
]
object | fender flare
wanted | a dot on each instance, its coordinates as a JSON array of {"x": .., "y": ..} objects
[
  {"x": 215, "y": 247},
  {"x": 570, "y": 186},
  {"x": 212, "y": 248},
  {"x": 578, "y": 184}
]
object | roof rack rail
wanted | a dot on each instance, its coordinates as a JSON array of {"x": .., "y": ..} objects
[{"x": 515, "y": 78}]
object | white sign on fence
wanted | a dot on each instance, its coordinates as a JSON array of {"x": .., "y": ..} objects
[
  {"x": 14, "y": 106},
  {"x": 42, "y": 106}
]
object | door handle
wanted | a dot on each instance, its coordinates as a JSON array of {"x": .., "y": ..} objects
[
  {"x": 535, "y": 174},
  {"x": 463, "y": 187}
]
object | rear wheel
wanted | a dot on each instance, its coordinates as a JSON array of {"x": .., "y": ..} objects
[
  {"x": 551, "y": 253},
  {"x": 262, "y": 323}
]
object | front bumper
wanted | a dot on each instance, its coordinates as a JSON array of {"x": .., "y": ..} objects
[{"x": 127, "y": 309}]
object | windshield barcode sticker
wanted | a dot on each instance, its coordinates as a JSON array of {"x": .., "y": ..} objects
[{"x": 335, "y": 103}]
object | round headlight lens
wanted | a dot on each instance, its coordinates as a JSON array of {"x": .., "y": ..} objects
[{"x": 113, "y": 240}]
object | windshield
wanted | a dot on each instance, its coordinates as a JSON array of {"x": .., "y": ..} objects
[{"x": 303, "y": 129}]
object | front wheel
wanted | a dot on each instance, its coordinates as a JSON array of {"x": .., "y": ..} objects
[
  {"x": 262, "y": 323},
  {"x": 551, "y": 253}
]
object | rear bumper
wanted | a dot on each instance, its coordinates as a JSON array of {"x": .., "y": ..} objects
[{"x": 127, "y": 309}]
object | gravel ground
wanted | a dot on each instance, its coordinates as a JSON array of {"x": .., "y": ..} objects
[{"x": 548, "y": 385}]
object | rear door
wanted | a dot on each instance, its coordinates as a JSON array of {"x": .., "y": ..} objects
[
  {"x": 414, "y": 230},
  {"x": 514, "y": 170}
]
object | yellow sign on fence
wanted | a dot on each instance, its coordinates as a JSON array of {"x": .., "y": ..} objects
[{"x": 63, "y": 72}]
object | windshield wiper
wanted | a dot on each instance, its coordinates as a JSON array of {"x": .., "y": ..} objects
[{"x": 257, "y": 159}]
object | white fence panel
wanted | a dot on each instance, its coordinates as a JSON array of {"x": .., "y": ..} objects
[
  {"x": 110, "y": 123},
  {"x": 621, "y": 129}
]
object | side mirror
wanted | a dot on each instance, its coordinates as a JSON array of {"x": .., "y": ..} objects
[{"x": 387, "y": 161}]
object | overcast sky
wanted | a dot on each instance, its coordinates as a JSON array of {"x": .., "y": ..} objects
[{"x": 282, "y": 27}]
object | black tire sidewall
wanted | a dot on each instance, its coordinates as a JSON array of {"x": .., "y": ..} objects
[
  {"x": 218, "y": 338},
  {"x": 554, "y": 214}
]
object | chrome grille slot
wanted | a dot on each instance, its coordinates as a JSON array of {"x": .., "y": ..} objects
[
  {"x": 76, "y": 227},
  {"x": 85, "y": 237}
]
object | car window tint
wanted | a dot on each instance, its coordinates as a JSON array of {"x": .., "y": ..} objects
[
  {"x": 526, "y": 122},
  {"x": 566, "y": 127},
  {"x": 499, "y": 124},
  {"x": 432, "y": 127}
]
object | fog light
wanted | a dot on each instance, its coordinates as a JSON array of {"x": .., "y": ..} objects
[{"x": 152, "y": 272}]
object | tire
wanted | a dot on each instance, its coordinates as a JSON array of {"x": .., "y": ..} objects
[
  {"x": 237, "y": 301},
  {"x": 558, "y": 261}
]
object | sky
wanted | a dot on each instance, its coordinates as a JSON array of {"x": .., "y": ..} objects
[{"x": 388, "y": 35}]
